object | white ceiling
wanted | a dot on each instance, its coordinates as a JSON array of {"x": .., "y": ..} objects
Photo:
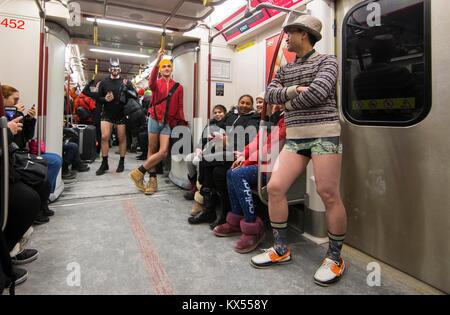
[{"x": 179, "y": 15}]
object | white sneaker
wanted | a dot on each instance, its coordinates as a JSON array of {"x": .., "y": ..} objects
[
  {"x": 269, "y": 258},
  {"x": 330, "y": 272},
  {"x": 15, "y": 250}
]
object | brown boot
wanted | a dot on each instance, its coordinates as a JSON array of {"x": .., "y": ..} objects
[
  {"x": 152, "y": 186},
  {"x": 196, "y": 208},
  {"x": 138, "y": 179}
]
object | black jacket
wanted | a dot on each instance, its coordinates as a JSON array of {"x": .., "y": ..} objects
[
  {"x": 13, "y": 176},
  {"x": 29, "y": 125},
  {"x": 233, "y": 120},
  {"x": 94, "y": 95},
  {"x": 213, "y": 126}
]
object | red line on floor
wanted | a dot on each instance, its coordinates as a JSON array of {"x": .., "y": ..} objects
[{"x": 158, "y": 278}]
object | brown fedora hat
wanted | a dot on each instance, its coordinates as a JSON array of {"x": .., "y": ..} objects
[{"x": 307, "y": 23}]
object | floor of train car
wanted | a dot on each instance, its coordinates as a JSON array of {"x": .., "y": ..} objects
[{"x": 128, "y": 243}]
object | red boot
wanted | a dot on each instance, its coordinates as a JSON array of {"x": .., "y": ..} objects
[
  {"x": 252, "y": 235},
  {"x": 231, "y": 227}
]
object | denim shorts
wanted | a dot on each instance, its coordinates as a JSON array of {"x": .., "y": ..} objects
[
  {"x": 157, "y": 127},
  {"x": 317, "y": 146}
]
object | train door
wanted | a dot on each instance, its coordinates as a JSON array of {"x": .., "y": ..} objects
[{"x": 395, "y": 115}]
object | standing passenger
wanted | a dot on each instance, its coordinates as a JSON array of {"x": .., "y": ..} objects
[
  {"x": 166, "y": 111},
  {"x": 308, "y": 88},
  {"x": 112, "y": 115}
]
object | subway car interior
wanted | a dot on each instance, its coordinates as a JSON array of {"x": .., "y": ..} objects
[{"x": 125, "y": 170}]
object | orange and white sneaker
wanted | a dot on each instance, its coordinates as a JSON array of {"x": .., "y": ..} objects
[
  {"x": 330, "y": 272},
  {"x": 269, "y": 258}
]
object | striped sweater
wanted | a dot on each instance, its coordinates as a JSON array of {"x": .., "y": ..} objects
[{"x": 313, "y": 113}]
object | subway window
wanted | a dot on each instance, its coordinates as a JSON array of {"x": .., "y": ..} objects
[{"x": 386, "y": 63}]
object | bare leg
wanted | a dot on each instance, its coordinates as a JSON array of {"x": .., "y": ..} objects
[
  {"x": 121, "y": 134},
  {"x": 158, "y": 156},
  {"x": 153, "y": 143},
  {"x": 288, "y": 167},
  {"x": 106, "y": 135},
  {"x": 327, "y": 171}
]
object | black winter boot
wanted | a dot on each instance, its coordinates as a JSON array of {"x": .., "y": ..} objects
[
  {"x": 222, "y": 211},
  {"x": 121, "y": 166},
  {"x": 103, "y": 168},
  {"x": 191, "y": 193},
  {"x": 208, "y": 214}
]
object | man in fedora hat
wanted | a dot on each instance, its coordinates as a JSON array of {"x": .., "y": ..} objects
[{"x": 307, "y": 87}]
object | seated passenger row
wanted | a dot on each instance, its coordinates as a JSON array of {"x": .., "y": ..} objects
[
  {"x": 226, "y": 183},
  {"x": 32, "y": 179}
]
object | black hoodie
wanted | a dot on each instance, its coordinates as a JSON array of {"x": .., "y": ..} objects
[
  {"x": 233, "y": 120},
  {"x": 28, "y": 130}
]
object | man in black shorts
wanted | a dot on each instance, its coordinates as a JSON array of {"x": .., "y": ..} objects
[{"x": 112, "y": 114}]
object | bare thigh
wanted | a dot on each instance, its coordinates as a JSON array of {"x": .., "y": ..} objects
[
  {"x": 327, "y": 172},
  {"x": 164, "y": 142},
  {"x": 106, "y": 128},
  {"x": 288, "y": 167}
]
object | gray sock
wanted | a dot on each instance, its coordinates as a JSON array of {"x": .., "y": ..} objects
[
  {"x": 335, "y": 246},
  {"x": 279, "y": 230}
]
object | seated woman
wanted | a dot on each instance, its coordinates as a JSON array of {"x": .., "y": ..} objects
[
  {"x": 214, "y": 166},
  {"x": 24, "y": 205},
  {"x": 11, "y": 99},
  {"x": 242, "y": 219},
  {"x": 193, "y": 159},
  {"x": 260, "y": 103}
]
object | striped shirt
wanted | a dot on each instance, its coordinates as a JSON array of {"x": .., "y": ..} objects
[{"x": 313, "y": 113}]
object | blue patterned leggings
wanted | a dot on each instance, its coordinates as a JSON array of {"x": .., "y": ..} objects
[{"x": 239, "y": 182}]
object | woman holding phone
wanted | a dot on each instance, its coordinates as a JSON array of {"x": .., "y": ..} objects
[{"x": 11, "y": 99}]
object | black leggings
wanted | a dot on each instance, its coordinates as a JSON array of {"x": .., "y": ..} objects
[
  {"x": 214, "y": 176},
  {"x": 143, "y": 142},
  {"x": 24, "y": 205}
]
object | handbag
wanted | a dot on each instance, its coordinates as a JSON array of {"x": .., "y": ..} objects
[
  {"x": 33, "y": 146},
  {"x": 32, "y": 169},
  {"x": 70, "y": 135}
]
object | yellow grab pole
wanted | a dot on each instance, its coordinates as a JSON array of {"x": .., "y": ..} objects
[
  {"x": 95, "y": 44},
  {"x": 163, "y": 40}
]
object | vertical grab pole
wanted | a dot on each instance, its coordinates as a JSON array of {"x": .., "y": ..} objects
[
  {"x": 163, "y": 40},
  {"x": 209, "y": 72},
  {"x": 5, "y": 159},
  {"x": 41, "y": 77},
  {"x": 262, "y": 126},
  {"x": 68, "y": 107},
  {"x": 209, "y": 82},
  {"x": 194, "y": 112},
  {"x": 95, "y": 44}
]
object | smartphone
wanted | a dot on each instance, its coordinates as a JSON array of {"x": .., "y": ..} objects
[
  {"x": 34, "y": 106},
  {"x": 10, "y": 113}
]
